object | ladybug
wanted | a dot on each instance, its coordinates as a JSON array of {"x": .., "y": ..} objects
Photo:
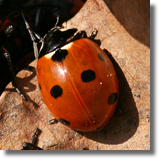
[{"x": 77, "y": 80}]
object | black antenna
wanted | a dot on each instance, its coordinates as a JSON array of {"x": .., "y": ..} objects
[{"x": 34, "y": 37}]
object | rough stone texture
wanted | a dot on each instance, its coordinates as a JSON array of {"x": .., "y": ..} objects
[{"x": 123, "y": 33}]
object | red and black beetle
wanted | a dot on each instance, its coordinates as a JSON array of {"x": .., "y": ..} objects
[{"x": 77, "y": 80}]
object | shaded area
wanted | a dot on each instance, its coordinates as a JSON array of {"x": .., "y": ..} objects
[
  {"x": 26, "y": 87},
  {"x": 123, "y": 125},
  {"x": 134, "y": 16}
]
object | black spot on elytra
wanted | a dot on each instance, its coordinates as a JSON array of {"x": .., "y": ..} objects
[
  {"x": 59, "y": 55},
  {"x": 56, "y": 91},
  {"x": 101, "y": 57},
  {"x": 112, "y": 98},
  {"x": 88, "y": 76},
  {"x": 63, "y": 121}
]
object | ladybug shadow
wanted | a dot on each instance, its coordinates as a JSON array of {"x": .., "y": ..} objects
[
  {"x": 24, "y": 84},
  {"x": 124, "y": 123}
]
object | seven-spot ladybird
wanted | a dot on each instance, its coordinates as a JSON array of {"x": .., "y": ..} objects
[{"x": 77, "y": 80}]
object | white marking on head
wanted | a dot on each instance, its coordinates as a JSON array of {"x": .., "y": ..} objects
[{"x": 67, "y": 46}]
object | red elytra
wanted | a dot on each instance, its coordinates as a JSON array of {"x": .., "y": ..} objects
[{"x": 81, "y": 87}]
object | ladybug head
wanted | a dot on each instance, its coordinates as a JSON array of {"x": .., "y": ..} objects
[{"x": 54, "y": 39}]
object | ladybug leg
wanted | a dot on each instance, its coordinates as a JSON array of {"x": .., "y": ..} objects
[
  {"x": 78, "y": 35},
  {"x": 52, "y": 121},
  {"x": 117, "y": 111},
  {"x": 57, "y": 21},
  {"x": 82, "y": 34},
  {"x": 32, "y": 145},
  {"x": 8, "y": 58},
  {"x": 93, "y": 34}
]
